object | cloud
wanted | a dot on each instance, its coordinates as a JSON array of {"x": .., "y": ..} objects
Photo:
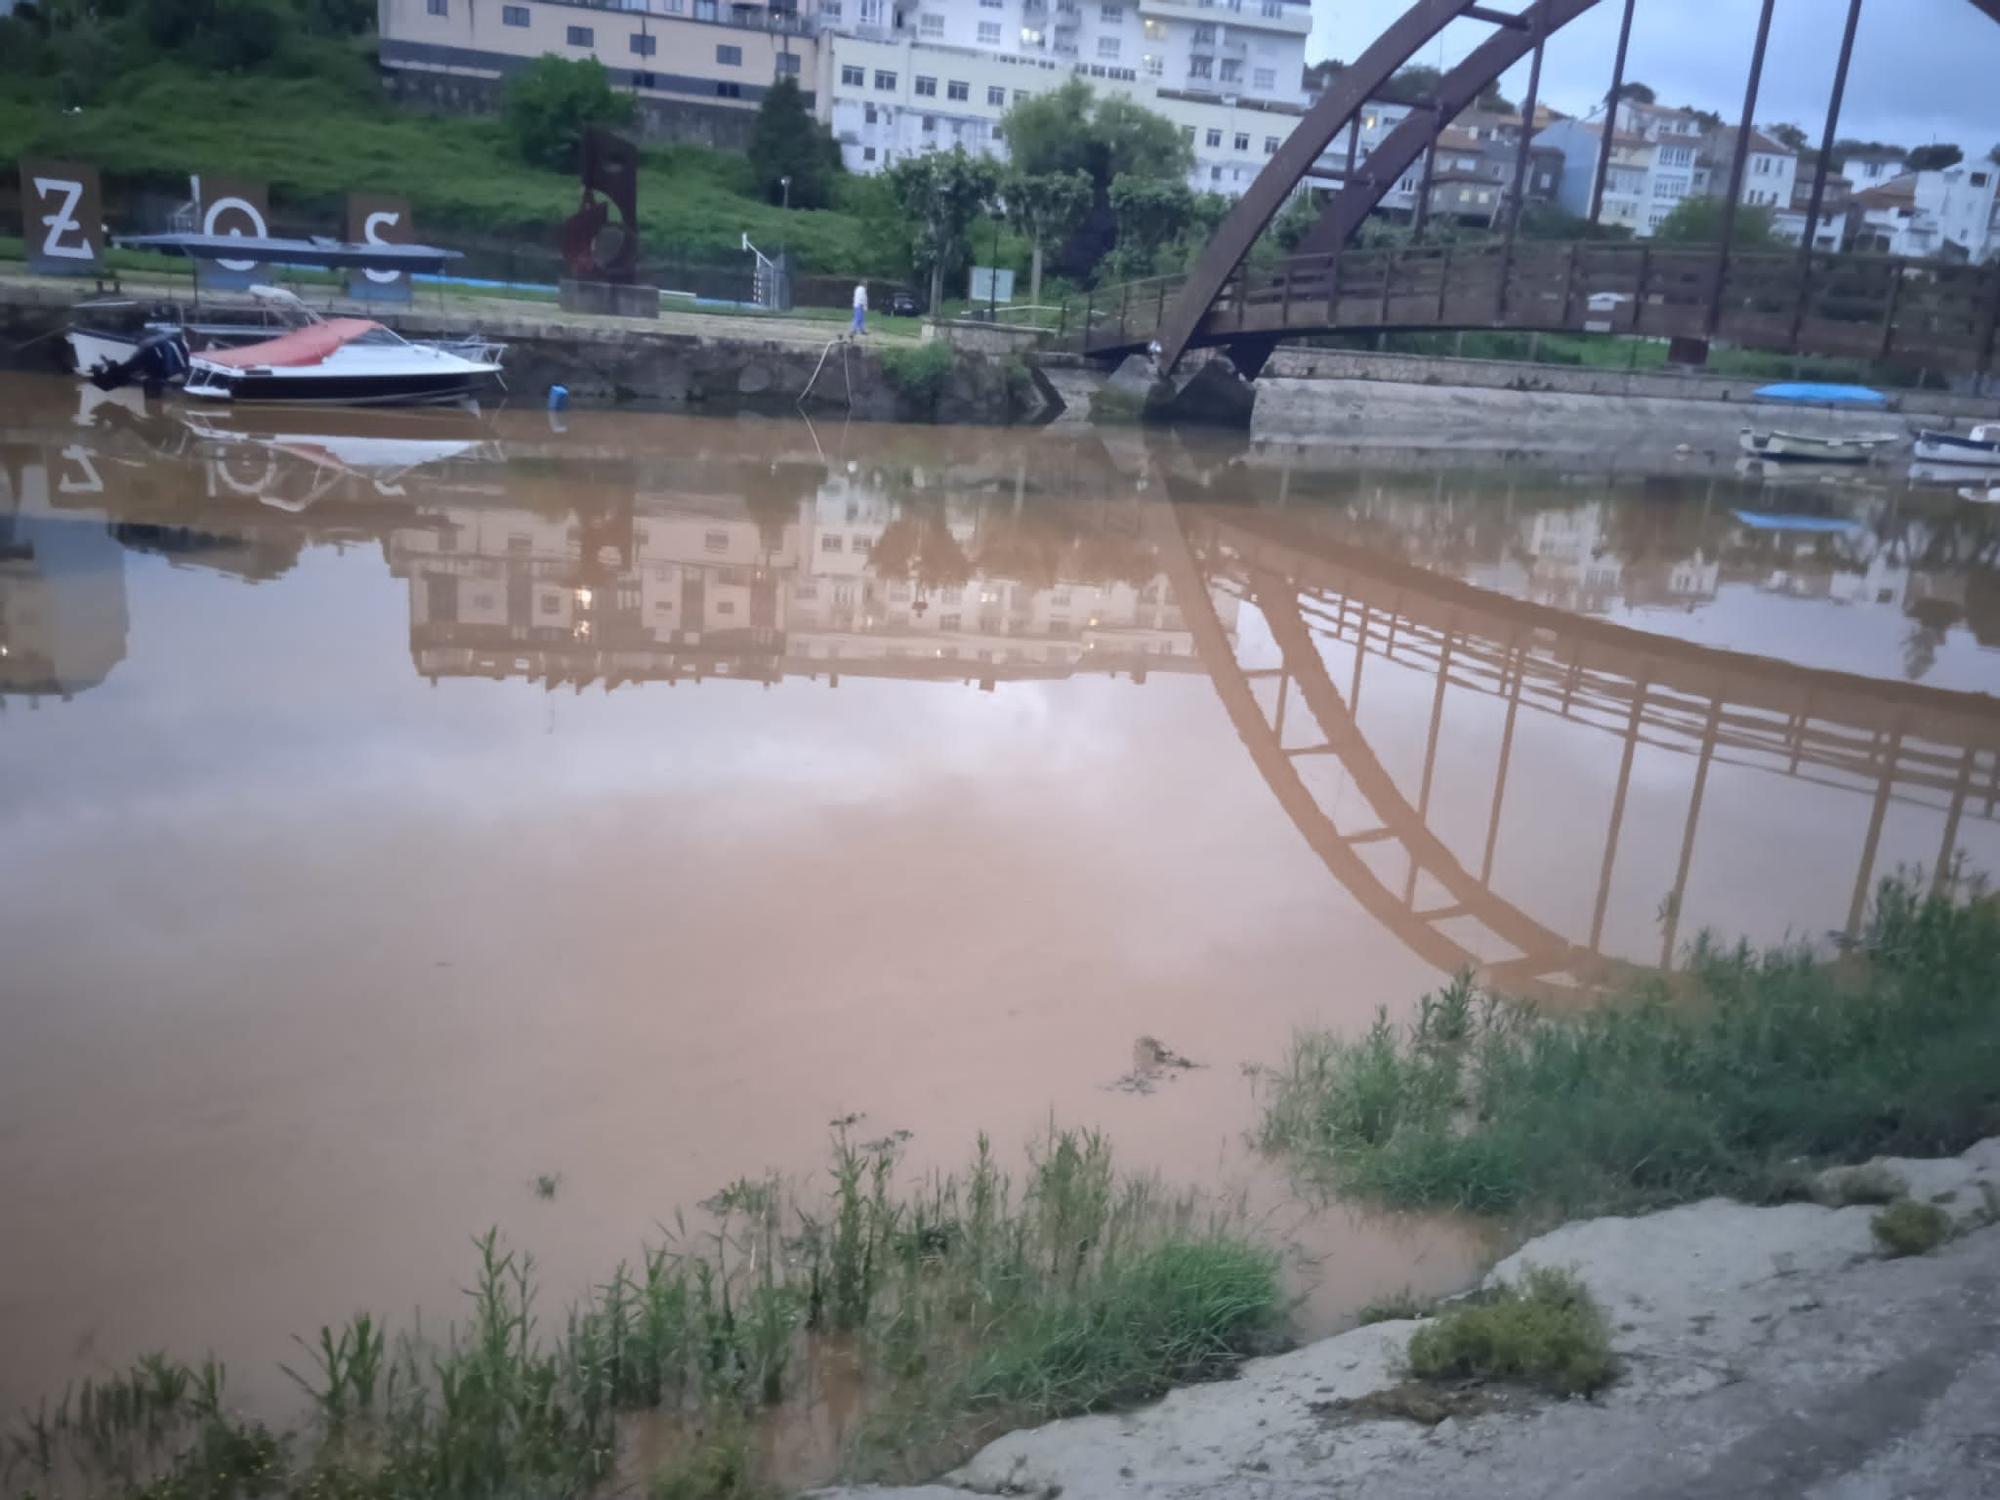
[{"x": 1923, "y": 69}]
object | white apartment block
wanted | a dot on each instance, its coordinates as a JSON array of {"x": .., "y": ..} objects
[
  {"x": 896, "y": 79},
  {"x": 1952, "y": 215}
]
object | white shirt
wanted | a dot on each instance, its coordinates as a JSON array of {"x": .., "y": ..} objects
[{"x": 861, "y": 295}]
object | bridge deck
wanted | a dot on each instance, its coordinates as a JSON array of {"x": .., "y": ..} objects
[{"x": 1914, "y": 313}]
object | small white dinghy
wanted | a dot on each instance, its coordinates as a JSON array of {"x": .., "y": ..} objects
[
  {"x": 1981, "y": 494},
  {"x": 1979, "y": 448},
  {"x": 1797, "y": 447}
]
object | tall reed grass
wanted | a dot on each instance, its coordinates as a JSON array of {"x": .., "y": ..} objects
[
  {"x": 969, "y": 1302},
  {"x": 1733, "y": 1078}
]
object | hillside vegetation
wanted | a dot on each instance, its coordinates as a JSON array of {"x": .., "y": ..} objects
[{"x": 319, "y": 135}]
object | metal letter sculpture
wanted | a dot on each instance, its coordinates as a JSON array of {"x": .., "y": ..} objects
[{"x": 597, "y": 247}]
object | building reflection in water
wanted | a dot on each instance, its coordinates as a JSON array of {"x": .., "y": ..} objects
[{"x": 571, "y": 561}]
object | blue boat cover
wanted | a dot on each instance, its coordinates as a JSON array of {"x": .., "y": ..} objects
[
  {"x": 1823, "y": 395},
  {"x": 1765, "y": 522}
]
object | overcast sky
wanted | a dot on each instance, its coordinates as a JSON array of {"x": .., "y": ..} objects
[{"x": 1924, "y": 69}]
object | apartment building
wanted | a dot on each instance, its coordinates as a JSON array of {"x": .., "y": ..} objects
[
  {"x": 696, "y": 68},
  {"x": 899, "y": 78},
  {"x": 1949, "y": 215}
]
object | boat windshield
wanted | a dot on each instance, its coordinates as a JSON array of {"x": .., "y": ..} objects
[{"x": 378, "y": 336}]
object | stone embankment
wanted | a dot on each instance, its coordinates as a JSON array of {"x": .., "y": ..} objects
[{"x": 1764, "y": 1352}]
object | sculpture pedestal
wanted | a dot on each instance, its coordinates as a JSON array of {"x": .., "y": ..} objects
[{"x": 613, "y": 299}]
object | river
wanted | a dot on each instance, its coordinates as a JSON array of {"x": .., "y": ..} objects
[{"x": 396, "y": 808}]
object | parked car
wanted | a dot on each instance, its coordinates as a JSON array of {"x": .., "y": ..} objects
[{"x": 904, "y": 305}]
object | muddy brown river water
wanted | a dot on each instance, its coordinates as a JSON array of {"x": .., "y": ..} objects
[{"x": 397, "y": 807}]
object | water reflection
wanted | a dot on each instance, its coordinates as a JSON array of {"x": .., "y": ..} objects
[{"x": 741, "y": 775}]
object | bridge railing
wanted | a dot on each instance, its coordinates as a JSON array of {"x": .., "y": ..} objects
[{"x": 1935, "y": 313}]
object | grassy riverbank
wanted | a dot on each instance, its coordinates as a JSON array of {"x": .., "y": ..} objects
[
  {"x": 1736, "y": 1077},
  {"x": 967, "y": 1306}
]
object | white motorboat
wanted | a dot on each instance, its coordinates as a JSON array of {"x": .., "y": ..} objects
[
  {"x": 1981, "y": 494},
  {"x": 344, "y": 362},
  {"x": 1979, "y": 448},
  {"x": 1796, "y": 447}
]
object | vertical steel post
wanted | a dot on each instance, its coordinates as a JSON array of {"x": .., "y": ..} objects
[
  {"x": 1739, "y": 161},
  {"x": 1611, "y": 113},
  {"x": 1824, "y": 166},
  {"x": 1522, "y": 155},
  {"x": 1422, "y": 216}
]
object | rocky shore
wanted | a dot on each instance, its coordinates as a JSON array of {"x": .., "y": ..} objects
[{"x": 1778, "y": 1351}]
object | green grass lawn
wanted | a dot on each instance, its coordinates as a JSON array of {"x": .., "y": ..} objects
[{"x": 313, "y": 140}]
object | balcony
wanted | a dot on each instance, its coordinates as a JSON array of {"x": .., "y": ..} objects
[{"x": 1292, "y": 20}]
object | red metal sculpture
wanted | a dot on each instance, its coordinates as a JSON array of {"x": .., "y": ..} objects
[{"x": 596, "y": 246}]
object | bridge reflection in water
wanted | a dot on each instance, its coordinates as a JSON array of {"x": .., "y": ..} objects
[{"x": 1009, "y": 562}]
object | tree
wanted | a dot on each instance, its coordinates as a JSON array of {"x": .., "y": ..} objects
[
  {"x": 1412, "y": 85},
  {"x": 552, "y": 102},
  {"x": 1994, "y": 156},
  {"x": 1151, "y": 211},
  {"x": 1698, "y": 221},
  {"x": 941, "y": 194},
  {"x": 787, "y": 142},
  {"x": 1934, "y": 158},
  {"x": 1045, "y": 210},
  {"x": 1638, "y": 93},
  {"x": 1495, "y": 102},
  {"x": 1294, "y": 222},
  {"x": 1071, "y": 129},
  {"x": 1787, "y": 135}
]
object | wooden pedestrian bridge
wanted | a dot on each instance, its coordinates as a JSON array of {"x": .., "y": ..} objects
[{"x": 1934, "y": 315}]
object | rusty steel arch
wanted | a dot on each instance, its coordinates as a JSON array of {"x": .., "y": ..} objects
[{"x": 1516, "y": 36}]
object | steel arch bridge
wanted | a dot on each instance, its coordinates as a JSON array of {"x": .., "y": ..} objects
[{"x": 1940, "y": 314}]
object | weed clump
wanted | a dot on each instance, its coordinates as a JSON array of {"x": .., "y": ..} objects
[
  {"x": 971, "y": 1302},
  {"x": 1747, "y": 1065},
  {"x": 1399, "y": 1307},
  {"x": 1546, "y": 1333},
  {"x": 1907, "y": 1227}
]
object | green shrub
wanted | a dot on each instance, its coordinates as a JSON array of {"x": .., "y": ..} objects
[
  {"x": 1907, "y": 1227},
  {"x": 1398, "y": 1307},
  {"x": 551, "y": 103},
  {"x": 1546, "y": 1333},
  {"x": 919, "y": 371},
  {"x": 1722, "y": 1081}
]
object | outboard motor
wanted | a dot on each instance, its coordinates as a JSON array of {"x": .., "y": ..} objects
[{"x": 158, "y": 359}]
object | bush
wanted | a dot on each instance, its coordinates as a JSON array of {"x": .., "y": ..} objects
[
  {"x": 919, "y": 371},
  {"x": 552, "y": 102},
  {"x": 1907, "y": 1227},
  {"x": 1545, "y": 1333},
  {"x": 1721, "y": 1082}
]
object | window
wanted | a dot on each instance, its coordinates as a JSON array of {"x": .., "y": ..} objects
[
  {"x": 989, "y": 33},
  {"x": 643, "y": 81},
  {"x": 1201, "y": 67},
  {"x": 580, "y": 36},
  {"x": 1232, "y": 70},
  {"x": 868, "y": 153},
  {"x": 788, "y": 62},
  {"x": 926, "y": 87},
  {"x": 1107, "y": 46},
  {"x": 1242, "y": 140},
  {"x": 1979, "y": 179},
  {"x": 1215, "y": 174},
  {"x": 1270, "y": 145},
  {"x": 551, "y": 604},
  {"x": 996, "y": 96},
  {"x": 930, "y": 122},
  {"x": 1155, "y": 64},
  {"x": 930, "y": 25},
  {"x": 438, "y": 7},
  {"x": 1264, "y": 78},
  {"x": 1214, "y": 138},
  {"x": 1031, "y": 36},
  {"x": 958, "y": 90},
  {"x": 729, "y": 91},
  {"x": 869, "y": 115},
  {"x": 1187, "y": 131},
  {"x": 829, "y": 544},
  {"x": 643, "y": 45},
  {"x": 1019, "y": 95},
  {"x": 1204, "y": 36},
  {"x": 729, "y": 57},
  {"x": 1273, "y": 8},
  {"x": 1111, "y": 15},
  {"x": 884, "y": 80},
  {"x": 725, "y": 608},
  {"x": 852, "y": 77},
  {"x": 513, "y": 15}
]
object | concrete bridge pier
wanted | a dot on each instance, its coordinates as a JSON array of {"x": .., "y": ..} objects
[{"x": 1213, "y": 389}]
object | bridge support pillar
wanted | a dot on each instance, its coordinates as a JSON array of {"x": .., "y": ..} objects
[{"x": 1208, "y": 390}]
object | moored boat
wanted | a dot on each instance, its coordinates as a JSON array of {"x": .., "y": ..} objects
[
  {"x": 1795, "y": 447},
  {"x": 343, "y": 362},
  {"x": 1979, "y": 448}
]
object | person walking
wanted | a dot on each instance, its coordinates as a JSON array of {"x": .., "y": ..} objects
[{"x": 860, "y": 307}]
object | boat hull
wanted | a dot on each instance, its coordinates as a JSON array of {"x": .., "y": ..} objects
[
  {"x": 306, "y": 388},
  {"x": 90, "y": 348},
  {"x": 1946, "y": 448},
  {"x": 1786, "y": 447}
]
